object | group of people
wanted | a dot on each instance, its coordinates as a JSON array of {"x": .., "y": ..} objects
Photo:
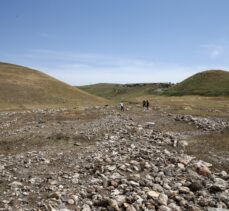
[{"x": 145, "y": 104}]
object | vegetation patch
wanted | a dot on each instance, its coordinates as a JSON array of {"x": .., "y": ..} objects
[
  {"x": 207, "y": 83},
  {"x": 124, "y": 92}
]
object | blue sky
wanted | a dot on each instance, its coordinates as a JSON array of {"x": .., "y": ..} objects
[{"x": 119, "y": 41}]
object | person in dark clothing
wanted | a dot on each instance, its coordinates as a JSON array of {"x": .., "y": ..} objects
[
  {"x": 143, "y": 103},
  {"x": 147, "y": 104}
]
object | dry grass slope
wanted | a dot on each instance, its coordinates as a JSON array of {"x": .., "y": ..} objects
[{"x": 21, "y": 88}]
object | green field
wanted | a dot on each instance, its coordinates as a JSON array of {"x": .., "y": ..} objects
[
  {"x": 124, "y": 92},
  {"x": 207, "y": 83},
  {"x": 188, "y": 104}
]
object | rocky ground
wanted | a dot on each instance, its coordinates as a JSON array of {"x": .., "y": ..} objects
[
  {"x": 205, "y": 124},
  {"x": 102, "y": 159}
]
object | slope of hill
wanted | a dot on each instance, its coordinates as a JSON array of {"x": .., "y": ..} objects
[
  {"x": 21, "y": 87},
  {"x": 124, "y": 91},
  {"x": 207, "y": 83}
]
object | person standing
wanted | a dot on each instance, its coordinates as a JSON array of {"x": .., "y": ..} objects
[
  {"x": 121, "y": 106},
  {"x": 147, "y": 104},
  {"x": 143, "y": 104}
]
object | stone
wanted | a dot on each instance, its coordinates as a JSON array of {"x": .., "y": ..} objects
[
  {"x": 135, "y": 177},
  {"x": 75, "y": 180},
  {"x": 113, "y": 204},
  {"x": 2, "y": 167},
  {"x": 15, "y": 184},
  {"x": 55, "y": 195},
  {"x": 149, "y": 124},
  {"x": 86, "y": 207},
  {"x": 111, "y": 168},
  {"x": 163, "y": 199},
  {"x": 219, "y": 185},
  {"x": 203, "y": 163},
  {"x": 133, "y": 183},
  {"x": 115, "y": 176},
  {"x": 195, "y": 186},
  {"x": 157, "y": 187},
  {"x": 184, "y": 190},
  {"x": 164, "y": 208},
  {"x": 185, "y": 159},
  {"x": 115, "y": 192},
  {"x": 130, "y": 208},
  {"x": 71, "y": 201},
  {"x": 203, "y": 171},
  {"x": 139, "y": 200},
  {"x": 153, "y": 194},
  {"x": 174, "y": 207},
  {"x": 121, "y": 199},
  {"x": 223, "y": 174},
  {"x": 181, "y": 166},
  {"x": 114, "y": 183},
  {"x": 75, "y": 198}
]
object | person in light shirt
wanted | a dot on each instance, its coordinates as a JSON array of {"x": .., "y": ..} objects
[{"x": 121, "y": 106}]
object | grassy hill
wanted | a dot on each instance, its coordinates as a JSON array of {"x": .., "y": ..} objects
[
  {"x": 124, "y": 91},
  {"x": 21, "y": 87},
  {"x": 207, "y": 83}
]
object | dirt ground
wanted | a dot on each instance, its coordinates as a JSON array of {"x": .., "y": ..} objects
[
  {"x": 43, "y": 149},
  {"x": 61, "y": 130}
]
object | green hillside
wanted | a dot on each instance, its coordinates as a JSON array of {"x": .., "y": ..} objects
[
  {"x": 21, "y": 87},
  {"x": 124, "y": 91},
  {"x": 207, "y": 83}
]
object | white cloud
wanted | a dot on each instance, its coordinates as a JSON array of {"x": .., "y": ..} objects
[
  {"x": 213, "y": 51},
  {"x": 87, "y": 68}
]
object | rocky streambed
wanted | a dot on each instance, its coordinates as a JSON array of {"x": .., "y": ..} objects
[{"x": 125, "y": 166}]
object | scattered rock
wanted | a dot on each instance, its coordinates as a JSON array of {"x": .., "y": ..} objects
[
  {"x": 163, "y": 199},
  {"x": 130, "y": 167},
  {"x": 195, "y": 186},
  {"x": 153, "y": 194}
]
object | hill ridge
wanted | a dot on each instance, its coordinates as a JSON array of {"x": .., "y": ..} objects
[
  {"x": 123, "y": 92},
  {"x": 207, "y": 83},
  {"x": 22, "y": 87}
]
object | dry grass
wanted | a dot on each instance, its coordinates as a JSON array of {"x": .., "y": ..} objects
[
  {"x": 22, "y": 88},
  {"x": 215, "y": 150},
  {"x": 191, "y": 104},
  {"x": 194, "y": 105}
]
